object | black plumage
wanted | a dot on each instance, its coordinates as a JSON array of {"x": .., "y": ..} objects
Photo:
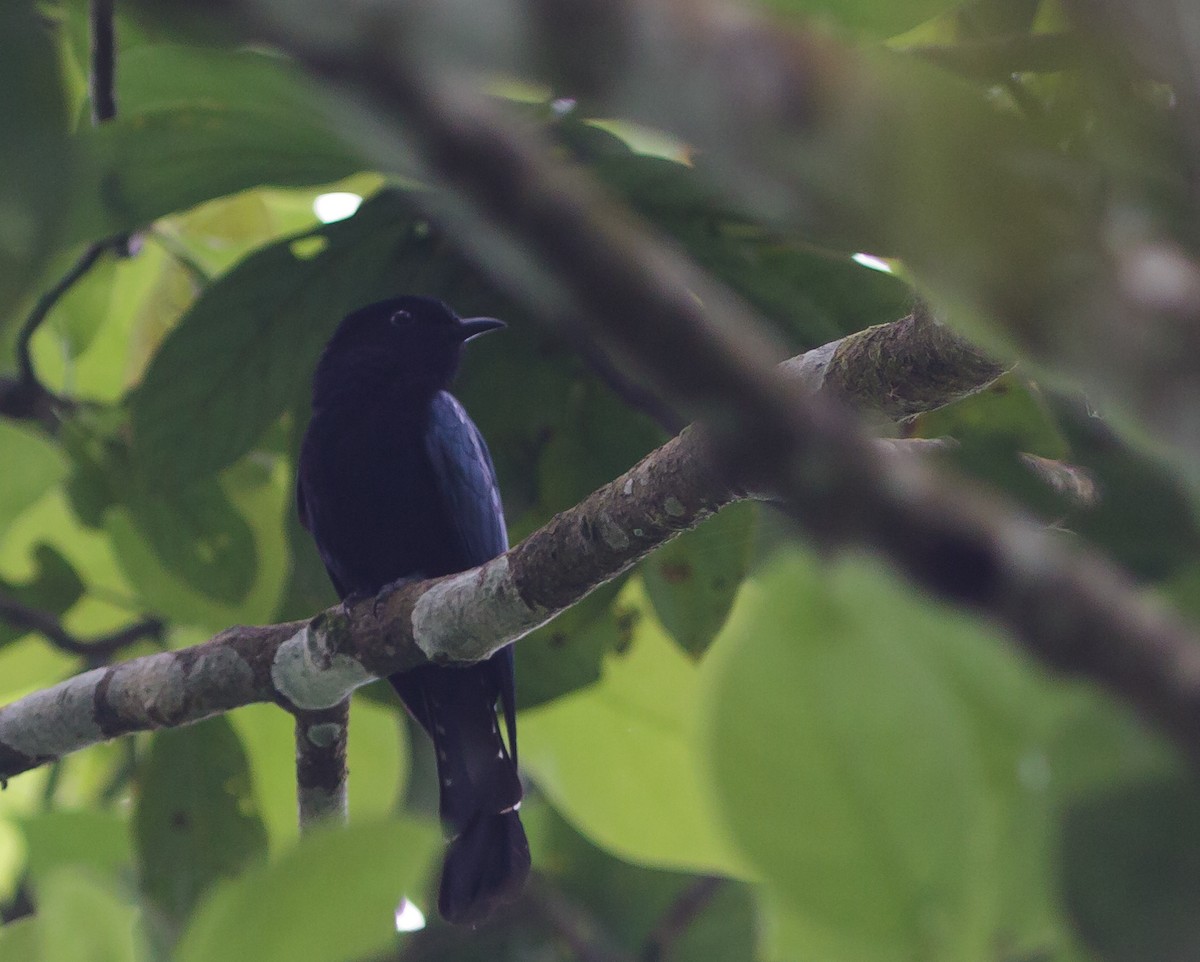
[{"x": 395, "y": 481}]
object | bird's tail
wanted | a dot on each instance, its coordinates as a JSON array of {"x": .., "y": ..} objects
[
  {"x": 485, "y": 866},
  {"x": 480, "y": 791}
]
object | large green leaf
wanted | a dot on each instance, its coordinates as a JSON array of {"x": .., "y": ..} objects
[
  {"x": 195, "y": 821},
  {"x": 693, "y": 580},
  {"x": 195, "y": 124},
  {"x": 331, "y": 899},
  {"x": 247, "y": 347},
  {"x": 621, "y": 759},
  {"x": 866, "y": 751},
  {"x": 21, "y": 941},
  {"x": 35, "y": 154}
]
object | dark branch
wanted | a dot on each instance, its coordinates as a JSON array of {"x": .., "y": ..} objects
[
  {"x": 102, "y": 77},
  {"x": 680, "y": 915},
  {"x": 26, "y": 397},
  {"x": 321, "y": 772},
  {"x": 95, "y": 651}
]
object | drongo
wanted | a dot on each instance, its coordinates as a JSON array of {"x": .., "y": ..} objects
[{"x": 395, "y": 482}]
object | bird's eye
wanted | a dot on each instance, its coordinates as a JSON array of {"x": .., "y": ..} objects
[{"x": 400, "y": 317}]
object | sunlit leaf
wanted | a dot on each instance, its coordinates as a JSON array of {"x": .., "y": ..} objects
[
  {"x": 868, "y": 771},
  {"x": 621, "y": 760},
  {"x": 32, "y": 464},
  {"x": 81, "y": 918},
  {"x": 332, "y": 898}
]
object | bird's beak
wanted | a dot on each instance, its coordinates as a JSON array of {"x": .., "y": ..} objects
[{"x": 470, "y": 327}]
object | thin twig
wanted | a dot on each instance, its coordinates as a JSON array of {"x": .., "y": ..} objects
[
  {"x": 102, "y": 76},
  {"x": 679, "y": 916},
  {"x": 96, "y": 651},
  {"x": 581, "y": 930}
]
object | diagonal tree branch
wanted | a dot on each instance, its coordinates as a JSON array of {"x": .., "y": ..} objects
[
  {"x": 310, "y": 667},
  {"x": 505, "y": 198}
]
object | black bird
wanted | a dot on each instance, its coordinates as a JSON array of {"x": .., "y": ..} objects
[{"x": 394, "y": 482}]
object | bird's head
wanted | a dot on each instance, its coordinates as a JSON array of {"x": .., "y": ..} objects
[{"x": 412, "y": 343}]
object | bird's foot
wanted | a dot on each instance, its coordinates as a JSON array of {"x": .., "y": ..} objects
[{"x": 384, "y": 593}]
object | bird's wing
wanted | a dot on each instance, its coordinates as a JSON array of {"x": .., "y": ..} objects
[
  {"x": 466, "y": 481},
  {"x": 470, "y": 495}
]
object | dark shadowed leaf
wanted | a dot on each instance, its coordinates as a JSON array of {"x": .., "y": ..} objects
[
  {"x": 54, "y": 587},
  {"x": 195, "y": 821},
  {"x": 568, "y": 652},
  {"x": 694, "y": 579},
  {"x": 247, "y": 347},
  {"x": 199, "y": 536},
  {"x": 1131, "y": 870},
  {"x": 195, "y": 124},
  {"x": 35, "y": 154}
]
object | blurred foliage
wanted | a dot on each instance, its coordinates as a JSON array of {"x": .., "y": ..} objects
[{"x": 873, "y": 778}]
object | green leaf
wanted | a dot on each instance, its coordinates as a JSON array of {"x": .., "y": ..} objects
[
  {"x": 81, "y": 919},
  {"x": 866, "y": 753},
  {"x": 35, "y": 153},
  {"x": 196, "y": 821},
  {"x": 196, "y": 124},
  {"x": 21, "y": 941},
  {"x": 332, "y": 898},
  {"x": 32, "y": 464},
  {"x": 1131, "y": 870},
  {"x": 568, "y": 653},
  {"x": 870, "y": 19},
  {"x": 254, "y": 494},
  {"x": 622, "y": 762},
  {"x": 98, "y": 840},
  {"x": 693, "y": 580},
  {"x": 813, "y": 295},
  {"x": 247, "y": 347},
  {"x": 198, "y": 536}
]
